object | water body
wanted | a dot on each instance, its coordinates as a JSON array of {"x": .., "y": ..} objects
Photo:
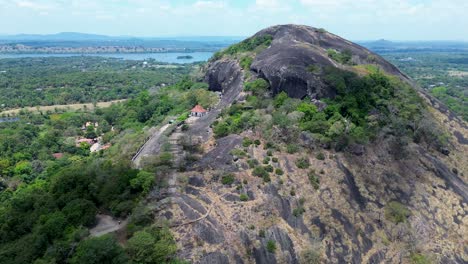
[{"x": 169, "y": 57}]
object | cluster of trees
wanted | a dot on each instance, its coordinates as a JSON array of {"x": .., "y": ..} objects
[
  {"x": 52, "y": 81},
  {"x": 361, "y": 109}
]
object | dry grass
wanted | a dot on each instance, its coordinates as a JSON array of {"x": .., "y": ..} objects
[{"x": 73, "y": 107}]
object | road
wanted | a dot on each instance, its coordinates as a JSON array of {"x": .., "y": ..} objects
[{"x": 151, "y": 147}]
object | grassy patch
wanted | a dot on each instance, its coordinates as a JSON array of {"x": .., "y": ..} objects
[{"x": 396, "y": 212}]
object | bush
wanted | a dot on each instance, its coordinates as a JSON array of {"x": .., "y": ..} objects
[
  {"x": 292, "y": 148},
  {"x": 303, "y": 163},
  {"x": 266, "y": 160},
  {"x": 269, "y": 153},
  {"x": 298, "y": 211},
  {"x": 252, "y": 163},
  {"x": 396, "y": 212},
  {"x": 271, "y": 246},
  {"x": 314, "y": 180},
  {"x": 246, "y": 142},
  {"x": 279, "y": 171},
  {"x": 418, "y": 258},
  {"x": 260, "y": 172},
  {"x": 246, "y": 62},
  {"x": 258, "y": 87},
  {"x": 261, "y": 233},
  {"x": 228, "y": 179},
  {"x": 266, "y": 178},
  {"x": 320, "y": 156},
  {"x": 257, "y": 142},
  {"x": 269, "y": 168},
  {"x": 311, "y": 256},
  {"x": 244, "y": 197},
  {"x": 238, "y": 152},
  {"x": 274, "y": 159},
  {"x": 293, "y": 192}
]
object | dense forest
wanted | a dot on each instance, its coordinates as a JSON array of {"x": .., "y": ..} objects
[{"x": 58, "y": 81}]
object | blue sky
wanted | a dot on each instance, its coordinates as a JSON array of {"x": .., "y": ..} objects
[{"x": 352, "y": 19}]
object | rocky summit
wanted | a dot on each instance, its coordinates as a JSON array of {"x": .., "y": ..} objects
[{"x": 296, "y": 57}]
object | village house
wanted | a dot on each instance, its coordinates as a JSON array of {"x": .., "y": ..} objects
[
  {"x": 198, "y": 111},
  {"x": 85, "y": 140}
]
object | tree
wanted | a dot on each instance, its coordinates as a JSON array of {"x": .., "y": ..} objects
[
  {"x": 99, "y": 250},
  {"x": 143, "y": 181},
  {"x": 152, "y": 246},
  {"x": 80, "y": 212}
]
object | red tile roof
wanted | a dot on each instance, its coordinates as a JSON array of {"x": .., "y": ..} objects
[
  {"x": 198, "y": 109},
  {"x": 58, "y": 155}
]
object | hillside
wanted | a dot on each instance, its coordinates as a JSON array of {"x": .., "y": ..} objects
[{"x": 330, "y": 154}]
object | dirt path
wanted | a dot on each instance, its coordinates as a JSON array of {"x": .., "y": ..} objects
[
  {"x": 106, "y": 224},
  {"x": 89, "y": 106}
]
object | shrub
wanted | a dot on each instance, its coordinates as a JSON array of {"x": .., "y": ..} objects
[
  {"x": 269, "y": 168},
  {"x": 261, "y": 233},
  {"x": 257, "y": 142},
  {"x": 303, "y": 163},
  {"x": 246, "y": 62},
  {"x": 269, "y": 153},
  {"x": 238, "y": 152},
  {"x": 314, "y": 180},
  {"x": 320, "y": 156},
  {"x": 292, "y": 148},
  {"x": 279, "y": 171},
  {"x": 293, "y": 192},
  {"x": 396, "y": 212},
  {"x": 246, "y": 142},
  {"x": 266, "y": 178},
  {"x": 271, "y": 246},
  {"x": 274, "y": 159},
  {"x": 266, "y": 160},
  {"x": 252, "y": 163},
  {"x": 258, "y": 87},
  {"x": 260, "y": 172},
  {"x": 298, "y": 211},
  {"x": 311, "y": 256},
  {"x": 244, "y": 197},
  {"x": 418, "y": 258},
  {"x": 227, "y": 179}
]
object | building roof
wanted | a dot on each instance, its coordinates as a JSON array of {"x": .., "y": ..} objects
[
  {"x": 198, "y": 109},
  {"x": 58, "y": 155}
]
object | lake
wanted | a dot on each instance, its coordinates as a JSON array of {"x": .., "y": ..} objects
[{"x": 169, "y": 57}]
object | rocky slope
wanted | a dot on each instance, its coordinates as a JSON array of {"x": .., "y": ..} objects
[{"x": 345, "y": 219}]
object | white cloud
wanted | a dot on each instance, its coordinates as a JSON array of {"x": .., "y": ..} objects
[
  {"x": 209, "y": 5},
  {"x": 34, "y": 5},
  {"x": 267, "y": 4}
]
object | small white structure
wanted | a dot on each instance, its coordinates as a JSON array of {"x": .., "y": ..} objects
[{"x": 198, "y": 111}]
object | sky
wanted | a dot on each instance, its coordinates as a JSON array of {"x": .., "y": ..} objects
[{"x": 352, "y": 19}]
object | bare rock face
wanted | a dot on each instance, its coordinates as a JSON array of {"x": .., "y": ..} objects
[
  {"x": 295, "y": 61},
  {"x": 221, "y": 74}
]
